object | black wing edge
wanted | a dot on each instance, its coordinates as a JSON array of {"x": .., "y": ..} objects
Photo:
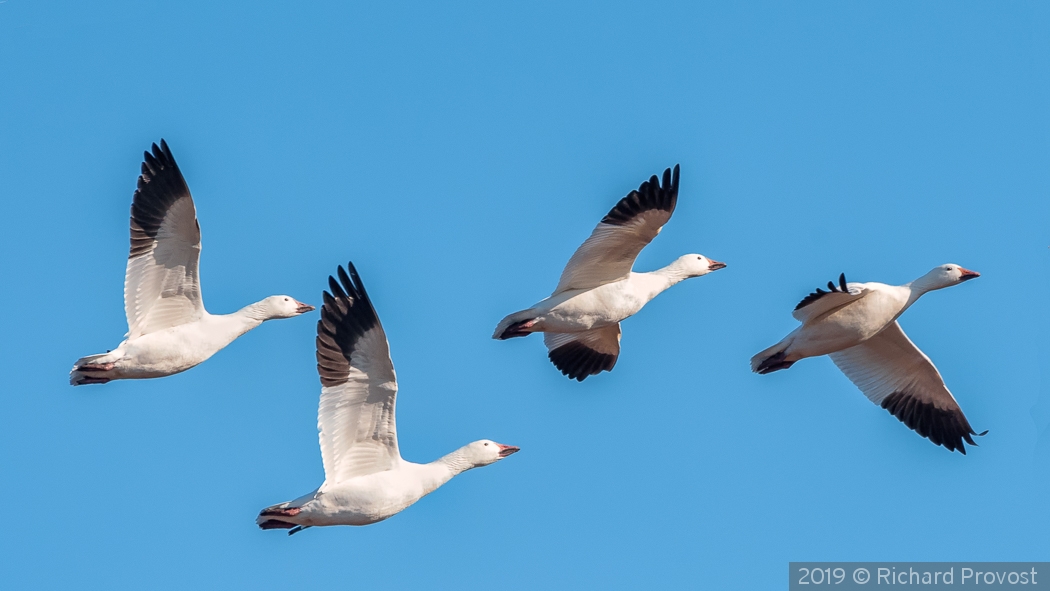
[
  {"x": 346, "y": 315},
  {"x": 577, "y": 361},
  {"x": 649, "y": 196},
  {"x": 819, "y": 293},
  {"x": 943, "y": 427},
  {"x": 160, "y": 185}
]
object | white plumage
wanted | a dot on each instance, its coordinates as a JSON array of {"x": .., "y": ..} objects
[
  {"x": 856, "y": 325},
  {"x": 598, "y": 289},
  {"x": 366, "y": 480},
  {"x": 169, "y": 330}
]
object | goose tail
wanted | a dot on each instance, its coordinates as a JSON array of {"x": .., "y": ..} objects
[
  {"x": 281, "y": 516},
  {"x": 93, "y": 369},
  {"x": 517, "y": 324},
  {"x": 772, "y": 359}
]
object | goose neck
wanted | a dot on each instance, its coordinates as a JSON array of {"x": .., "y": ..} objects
[
  {"x": 246, "y": 318},
  {"x": 918, "y": 288},
  {"x": 253, "y": 314},
  {"x": 665, "y": 277},
  {"x": 455, "y": 462}
]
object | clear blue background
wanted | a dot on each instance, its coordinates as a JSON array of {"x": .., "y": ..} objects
[{"x": 458, "y": 155}]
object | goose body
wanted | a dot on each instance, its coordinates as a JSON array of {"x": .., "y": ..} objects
[
  {"x": 579, "y": 310},
  {"x": 366, "y": 480},
  {"x": 848, "y": 325},
  {"x": 169, "y": 331},
  {"x": 856, "y": 325},
  {"x": 598, "y": 288},
  {"x": 362, "y": 500}
]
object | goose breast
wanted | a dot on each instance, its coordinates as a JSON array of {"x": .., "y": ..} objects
[{"x": 586, "y": 309}]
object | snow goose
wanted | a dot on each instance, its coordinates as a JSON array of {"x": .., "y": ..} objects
[
  {"x": 169, "y": 330},
  {"x": 856, "y": 325},
  {"x": 365, "y": 478},
  {"x": 597, "y": 289}
]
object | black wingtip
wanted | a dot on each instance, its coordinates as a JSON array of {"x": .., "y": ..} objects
[
  {"x": 345, "y": 279},
  {"x": 354, "y": 279},
  {"x": 335, "y": 288},
  {"x": 650, "y": 195},
  {"x": 945, "y": 427},
  {"x": 346, "y": 315},
  {"x": 578, "y": 361},
  {"x": 159, "y": 155},
  {"x": 160, "y": 184},
  {"x": 818, "y": 293}
]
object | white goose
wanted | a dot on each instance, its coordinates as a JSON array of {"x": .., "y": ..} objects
[
  {"x": 365, "y": 478},
  {"x": 597, "y": 289},
  {"x": 856, "y": 325},
  {"x": 169, "y": 330}
]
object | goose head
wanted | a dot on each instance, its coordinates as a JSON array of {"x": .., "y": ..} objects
[
  {"x": 945, "y": 276},
  {"x": 282, "y": 306},
  {"x": 695, "y": 265},
  {"x": 485, "y": 452}
]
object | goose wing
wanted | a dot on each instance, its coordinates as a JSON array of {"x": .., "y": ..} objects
[
  {"x": 821, "y": 302},
  {"x": 162, "y": 286},
  {"x": 609, "y": 253},
  {"x": 355, "y": 417},
  {"x": 893, "y": 373},
  {"x": 582, "y": 354}
]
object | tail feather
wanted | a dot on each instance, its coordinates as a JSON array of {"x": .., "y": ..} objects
[
  {"x": 91, "y": 359},
  {"x": 280, "y": 516},
  {"x": 511, "y": 326},
  {"x": 87, "y": 370},
  {"x": 276, "y": 524},
  {"x": 772, "y": 359}
]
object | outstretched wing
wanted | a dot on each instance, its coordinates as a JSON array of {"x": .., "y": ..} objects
[
  {"x": 821, "y": 302},
  {"x": 582, "y": 354},
  {"x": 358, "y": 386},
  {"x": 609, "y": 254},
  {"x": 893, "y": 373},
  {"x": 162, "y": 286}
]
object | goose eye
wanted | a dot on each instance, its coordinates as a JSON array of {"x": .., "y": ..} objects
[{"x": 486, "y": 445}]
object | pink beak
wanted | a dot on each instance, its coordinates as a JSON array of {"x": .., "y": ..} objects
[
  {"x": 968, "y": 274},
  {"x": 715, "y": 265},
  {"x": 506, "y": 450},
  {"x": 302, "y": 308}
]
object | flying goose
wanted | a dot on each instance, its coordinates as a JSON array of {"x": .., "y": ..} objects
[
  {"x": 169, "y": 330},
  {"x": 856, "y": 325},
  {"x": 365, "y": 478},
  {"x": 598, "y": 289}
]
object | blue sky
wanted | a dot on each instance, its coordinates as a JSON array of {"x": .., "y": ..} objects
[{"x": 458, "y": 154}]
